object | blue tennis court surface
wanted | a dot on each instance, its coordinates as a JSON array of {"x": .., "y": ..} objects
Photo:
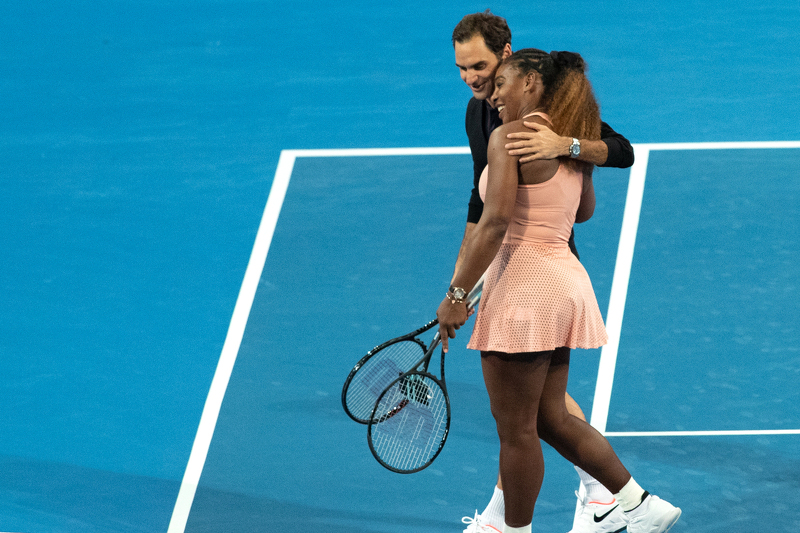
[
  {"x": 139, "y": 146},
  {"x": 712, "y": 279}
]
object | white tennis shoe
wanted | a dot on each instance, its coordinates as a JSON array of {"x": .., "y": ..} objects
[
  {"x": 653, "y": 515},
  {"x": 596, "y": 517},
  {"x": 476, "y": 525}
]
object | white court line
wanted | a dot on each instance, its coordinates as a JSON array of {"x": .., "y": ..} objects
[
  {"x": 723, "y": 433},
  {"x": 365, "y": 152},
  {"x": 622, "y": 269},
  {"x": 759, "y": 145},
  {"x": 258, "y": 256},
  {"x": 619, "y": 290},
  {"x": 241, "y": 312}
]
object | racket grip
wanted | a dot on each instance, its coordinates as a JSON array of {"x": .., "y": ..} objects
[{"x": 474, "y": 295}]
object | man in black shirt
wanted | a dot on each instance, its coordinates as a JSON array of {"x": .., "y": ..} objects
[{"x": 481, "y": 41}]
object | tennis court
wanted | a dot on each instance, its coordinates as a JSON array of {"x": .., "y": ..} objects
[{"x": 212, "y": 210}]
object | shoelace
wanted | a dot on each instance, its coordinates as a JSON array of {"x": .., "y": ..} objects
[
  {"x": 476, "y": 524},
  {"x": 581, "y": 512},
  {"x": 472, "y": 521}
]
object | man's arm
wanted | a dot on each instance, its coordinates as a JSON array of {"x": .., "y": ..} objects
[
  {"x": 467, "y": 235},
  {"x": 620, "y": 151},
  {"x": 588, "y": 201},
  {"x": 612, "y": 150}
]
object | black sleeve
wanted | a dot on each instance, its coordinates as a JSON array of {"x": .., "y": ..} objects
[
  {"x": 475, "y": 206},
  {"x": 477, "y": 147},
  {"x": 620, "y": 151}
]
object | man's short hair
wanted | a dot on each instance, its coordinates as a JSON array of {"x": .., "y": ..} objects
[{"x": 493, "y": 29}]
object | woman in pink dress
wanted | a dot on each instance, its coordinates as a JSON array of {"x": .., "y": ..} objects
[{"x": 538, "y": 301}]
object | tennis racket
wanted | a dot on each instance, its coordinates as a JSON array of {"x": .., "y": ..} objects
[
  {"x": 410, "y": 420},
  {"x": 376, "y": 370}
]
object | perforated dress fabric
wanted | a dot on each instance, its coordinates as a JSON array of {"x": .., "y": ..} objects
[{"x": 537, "y": 298}]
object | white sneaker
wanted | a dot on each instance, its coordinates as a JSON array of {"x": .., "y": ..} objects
[
  {"x": 476, "y": 525},
  {"x": 596, "y": 517},
  {"x": 653, "y": 515}
]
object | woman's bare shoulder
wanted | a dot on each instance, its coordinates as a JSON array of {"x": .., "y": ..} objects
[{"x": 500, "y": 132}]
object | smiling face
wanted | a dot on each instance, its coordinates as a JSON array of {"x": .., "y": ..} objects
[
  {"x": 478, "y": 65},
  {"x": 508, "y": 92},
  {"x": 516, "y": 93}
]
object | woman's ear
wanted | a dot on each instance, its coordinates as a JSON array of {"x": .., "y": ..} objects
[{"x": 529, "y": 83}]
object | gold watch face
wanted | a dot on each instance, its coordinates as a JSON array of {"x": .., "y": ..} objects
[{"x": 459, "y": 293}]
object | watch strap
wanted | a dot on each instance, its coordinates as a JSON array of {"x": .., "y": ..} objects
[
  {"x": 456, "y": 295},
  {"x": 575, "y": 148}
]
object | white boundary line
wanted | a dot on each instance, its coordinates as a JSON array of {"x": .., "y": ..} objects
[
  {"x": 258, "y": 257},
  {"x": 759, "y": 145},
  {"x": 241, "y": 312},
  {"x": 622, "y": 268},
  {"x": 367, "y": 152},
  {"x": 724, "y": 433},
  {"x": 230, "y": 349},
  {"x": 619, "y": 290}
]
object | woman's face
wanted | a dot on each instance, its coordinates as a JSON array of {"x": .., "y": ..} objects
[{"x": 508, "y": 92}]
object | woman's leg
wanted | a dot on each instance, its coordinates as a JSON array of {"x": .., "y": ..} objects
[
  {"x": 572, "y": 437},
  {"x": 515, "y": 383}
]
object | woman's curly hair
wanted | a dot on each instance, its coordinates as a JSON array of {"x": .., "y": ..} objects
[{"x": 568, "y": 96}]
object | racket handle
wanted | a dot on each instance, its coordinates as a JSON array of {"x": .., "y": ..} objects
[{"x": 474, "y": 295}]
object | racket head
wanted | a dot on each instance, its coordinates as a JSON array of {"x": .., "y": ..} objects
[
  {"x": 410, "y": 423},
  {"x": 374, "y": 372}
]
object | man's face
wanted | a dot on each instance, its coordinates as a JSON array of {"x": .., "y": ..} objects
[{"x": 477, "y": 65}]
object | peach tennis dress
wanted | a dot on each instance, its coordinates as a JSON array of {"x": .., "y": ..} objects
[{"x": 537, "y": 296}]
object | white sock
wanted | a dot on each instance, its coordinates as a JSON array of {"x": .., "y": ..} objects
[
  {"x": 523, "y": 529},
  {"x": 593, "y": 489},
  {"x": 495, "y": 513},
  {"x": 630, "y": 496}
]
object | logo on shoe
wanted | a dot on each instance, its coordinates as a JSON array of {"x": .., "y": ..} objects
[{"x": 602, "y": 517}]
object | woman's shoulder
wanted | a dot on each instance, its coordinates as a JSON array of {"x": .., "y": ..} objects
[{"x": 502, "y": 130}]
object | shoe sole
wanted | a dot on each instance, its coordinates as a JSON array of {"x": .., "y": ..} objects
[{"x": 670, "y": 521}]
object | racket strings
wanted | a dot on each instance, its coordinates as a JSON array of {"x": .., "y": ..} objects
[
  {"x": 377, "y": 373},
  {"x": 411, "y": 436}
]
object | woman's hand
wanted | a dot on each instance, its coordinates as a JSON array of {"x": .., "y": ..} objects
[{"x": 451, "y": 317}]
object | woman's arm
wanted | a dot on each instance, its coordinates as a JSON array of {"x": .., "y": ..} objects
[{"x": 487, "y": 236}]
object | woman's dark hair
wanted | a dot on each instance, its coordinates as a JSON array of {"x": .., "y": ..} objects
[
  {"x": 493, "y": 29},
  {"x": 568, "y": 96}
]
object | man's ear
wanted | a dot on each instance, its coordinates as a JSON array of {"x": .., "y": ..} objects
[{"x": 506, "y": 51}]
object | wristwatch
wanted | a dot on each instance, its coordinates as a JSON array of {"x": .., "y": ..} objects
[
  {"x": 575, "y": 148},
  {"x": 456, "y": 295}
]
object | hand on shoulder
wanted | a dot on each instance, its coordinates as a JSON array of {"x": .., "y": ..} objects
[{"x": 535, "y": 140}]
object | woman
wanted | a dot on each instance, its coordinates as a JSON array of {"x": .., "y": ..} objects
[{"x": 537, "y": 300}]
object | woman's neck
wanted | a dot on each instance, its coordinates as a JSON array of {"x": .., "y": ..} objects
[{"x": 529, "y": 110}]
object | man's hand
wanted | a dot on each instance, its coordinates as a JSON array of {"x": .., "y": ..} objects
[{"x": 541, "y": 143}]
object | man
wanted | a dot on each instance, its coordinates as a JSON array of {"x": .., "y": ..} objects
[{"x": 481, "y": 41}]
